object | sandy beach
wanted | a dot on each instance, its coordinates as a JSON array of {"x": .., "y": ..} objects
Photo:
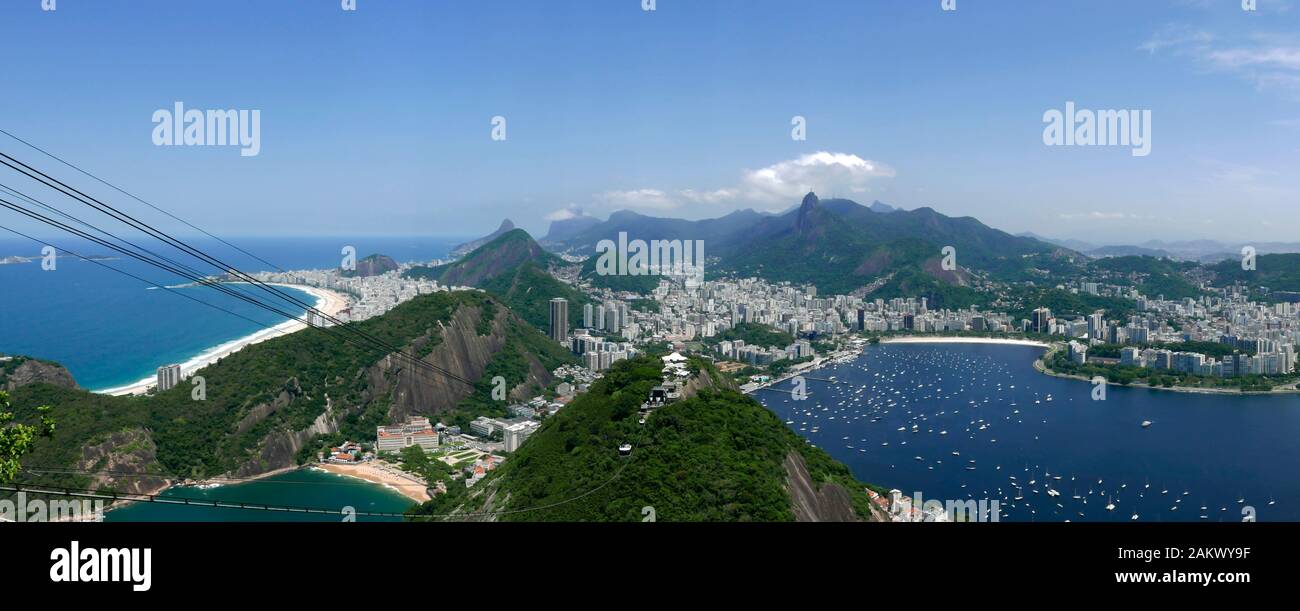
[
  {"x": 939, "y": 339},
  {"x": 327, "y": 301},
  {"x": 404, "y": 483}
]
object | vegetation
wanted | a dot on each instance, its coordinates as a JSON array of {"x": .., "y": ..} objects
[
  {"x": 514, "y": 268},
  {"x": 754, "y": 334},
  {"x": 1125, "y": 375},
  {"x": 1279, "y": 272},
  {"x": 1153, "y": 276},
  {"x": 646, "y": 305},
  {"x": 1064, "y": 303},
  {"x": 717, "y": 456},
  {"x": 1213, "y": 349},
  {"x": 16, "y": 440},
  {"x": 528, "y": 291},
  {"x": 641, "y": 284},
  {"x": 295, "y": 372}
]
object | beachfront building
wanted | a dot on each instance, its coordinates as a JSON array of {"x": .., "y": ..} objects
[
  {"x": 416, "y": 432},
  {"x": 168, "y": 377},
  {"x": 1078, "y": 353}
]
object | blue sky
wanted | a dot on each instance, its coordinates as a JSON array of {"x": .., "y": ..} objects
[{"x": 377, "y": 121}]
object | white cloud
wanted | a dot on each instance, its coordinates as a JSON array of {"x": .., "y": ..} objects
[
  {"x": 830, "y": 173},
  {"x": 563, "y": 214},
  {"x": 1268, "y": 61},
  {"x": 1176, "y": 36},
  {"x": 638, "y": 199},
  {"x": 775, "y": 187}
]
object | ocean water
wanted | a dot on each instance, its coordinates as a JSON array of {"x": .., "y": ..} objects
[
  {"x": 1011, "y": 425},
  {"x": 307, "y": 488},
  {"x": 110, "y": 330}
]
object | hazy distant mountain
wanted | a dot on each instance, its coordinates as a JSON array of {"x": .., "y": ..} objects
[
  {"x": 639, "y": 226},
  {"x": 564, "y": 229},
  {"x": 1214, "y": 250},
  {"x": 465, "y": 248},
  {"x": 1078, "y": 245},
  {"x": 840, "y": 245},
  {"x": 879, "y": 206},
  {"x": 1128, "y": 251}
]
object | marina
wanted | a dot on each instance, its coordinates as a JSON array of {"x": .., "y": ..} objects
[{"x": 975, "y": 421}]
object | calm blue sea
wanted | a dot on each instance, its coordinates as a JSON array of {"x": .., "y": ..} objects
[
  {"x": 111, "y": 330},
  {"x": 304, "y": 488},
  {"x": 977, "y": 422}
]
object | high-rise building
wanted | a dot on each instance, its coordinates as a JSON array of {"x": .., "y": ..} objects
[
  {"x": 1096, "y": 325},
  {"x": 862, "y": 319},
  {"x": 1042, "y": 321},
  {"x": 516, "y": 434},
  {"x": 559, "y": 319},
  {"x": 168, "y": 377},
  {"x": 588, "y": 316}
]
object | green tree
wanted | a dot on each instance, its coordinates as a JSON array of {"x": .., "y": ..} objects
[{"x": 17, "y": 439}]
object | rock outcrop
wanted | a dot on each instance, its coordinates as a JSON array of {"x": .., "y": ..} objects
[
  {"x": 459, "y": 349},
  {"x": 21, "y": 371},
  {"x": 828, "y": 503}
]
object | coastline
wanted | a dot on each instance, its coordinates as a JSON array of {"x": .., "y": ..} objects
[
  {"x": 169, "y": 484},
  {"x": 941, "y": 339},
  {"x": 402, "y": 483},
  {"x": 1041, "y": 367},
  {"x": 327, "y": 301}
]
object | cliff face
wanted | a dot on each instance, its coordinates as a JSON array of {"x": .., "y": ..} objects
[
  {"x": 458, "y": 348},
  {"x": 126, "y": 461},
  {"x": 21, "y": 371},
  {"x": 830, "y": 503}
]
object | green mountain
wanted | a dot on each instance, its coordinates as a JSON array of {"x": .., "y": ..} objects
[
  {"x": 1280, "y": 272},
  {"x": 514, "y": 267},
  {"x": 642, "y": 283},
  {"x": 1153, "y": 276},
  {"x": 841, "y": 246},
  {"x": 724, "y": 230},
  {"x": 274, "y": 403},
  {"x": 754, "y": 334},
  {"x": 468, "y": 247},
  {"x": 715, "y": 455}
]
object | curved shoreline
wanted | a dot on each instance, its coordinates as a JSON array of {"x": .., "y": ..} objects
[
  {"x": 327, "y": 301},
  {"x": 1041, "y": 367},
  {"x": 957, "y": 339},
  {"x": 401, "y": 483}
]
